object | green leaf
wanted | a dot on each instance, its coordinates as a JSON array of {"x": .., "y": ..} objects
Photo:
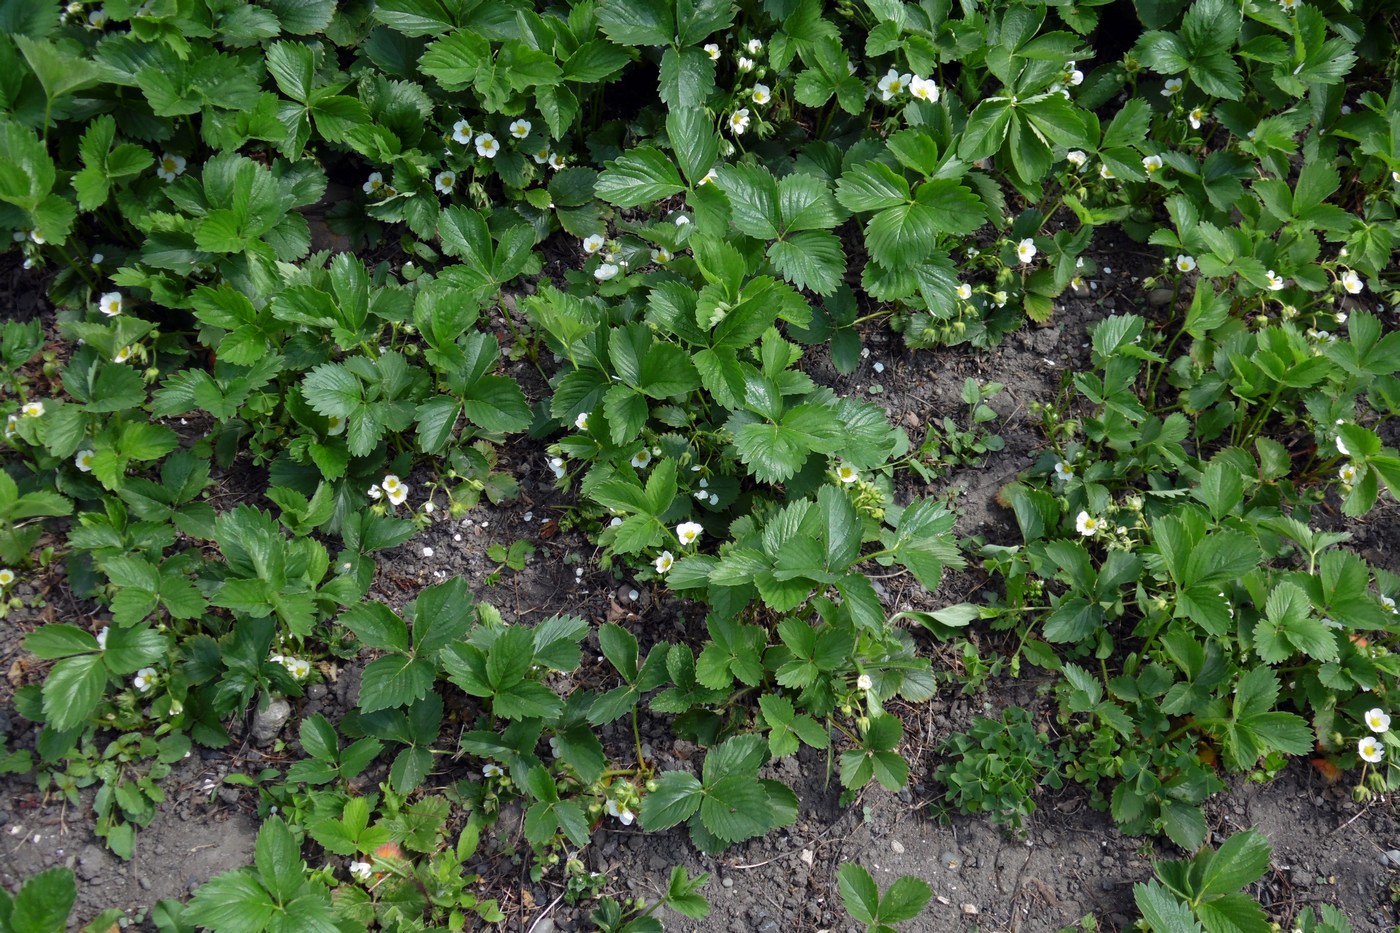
[
  {"x": 905, "y": 899},
  {"x": 1163, "y": 911},
  {"x": 813, "y": 260},
  {"x": 278, "y": 859},
  {"x": 676, "y": 798},
  {"x": 1241, "y": 860},
  {"x": 693, "y": 140},
  {"x": 638, "y": 22},
  {"x": 233, "y": 902},
  {"x": 639, "y": 176},
  {"x": 753, "y": 199},
  {"x": 72, "y": 691},
  {"x": 858, "y": 892},
  {"x": 393, "y": 681}
]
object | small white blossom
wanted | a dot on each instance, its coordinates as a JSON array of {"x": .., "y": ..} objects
[
  {"x": 1196, "y": 117},
  {"x": 923, "y": 89},
  {"x": 145, "y": 679},
  {"x": 1185, "y": 263},
  {"x": 102, "y": 638},
  {"x": 170, "y": 167},
  {"x": 541, "y": 155},
  {"x": 33, "y": 409},
  {"x": 335, "y": 425},
  {"x": 641, "y": 459},
  {"x": 1064, "y": 471},
  {"x": 124, "y": 354},
  {"x": 712, "y": 50},
  {"x": 556, "y": 161},
  {"x": 965, "y": 292},
  {"x": 762, "y": 94},
  {"x": 755, "y": 46},
  {"x": 745, "y": 64},
  {"x": 665, "y": 561},
  {"x": 486, "y": 146},
  {"x": 581, "y": 422},
  {"x": 1347, "y": 474},
  {"x": 688, "y": 532},
  {"x": 462, "y": 133},
  {"x": 556, "y": 466},
  {"x": 893, "y": 84},
  {"x": 361, "y": 871},
  {"x": 593, "y": 242},
  {"x": 110, "y": 304},
  {"x": 624, "y": 815},
  {"x": 1370, "y": 750},
  {"x": 7, "y": 576},
  {"x": 299, "y": 668},
  {"x": 444, "y": 181},
  {"x": 1025, "y": 250},
  {"x": 1377, "y": 720},
  {"x": 681, "y": 220},
  {"x": 1275, "y": 281},
  {"x": 1087, "y": 524},
  {"x": 1290, "y": 6},
  {"x": 520, "y": 128},
  {"x": 1151, "y": 163},
  {"x": 1172, "y": 87},
  {"x": 1077, "y": 158},
  {"x": 374, "y": 184},
  {"x": 847, "y": 473},
  {"x": 1352, "y": 282},
  {"x": 1104, "y": 171},
  {"x": 605, "y": 271},
  {"x": 83, "y": 460},
  {"x": 1389, "y": 604},
  {"x": 491, "y": 769},
  {"x": 739, "y": 121},
  {"x": 863, "y": 682},
  {"x": 661, "y": 255}
]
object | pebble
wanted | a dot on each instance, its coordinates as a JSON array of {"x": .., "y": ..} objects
[
  {"x": 316, "y": 692},
  {"x": 897, "y": 846},
  {"x": 728, "y": 882},
  {"x": 1391, "y": 857},
  {"x": 268, "y": 722}
]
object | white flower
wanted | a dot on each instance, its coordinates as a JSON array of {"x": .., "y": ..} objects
[
  {"x": 1077, "y": 158},
  {"x": 334, "y": 425},
  {"x": 395, "y": 489},
  {"x": 688, "y": 532},
  {"x": 665, "y": 561},
  {"x": 170, "y": 167},
  {"x": 1173, "y": 86},
  {"x": 32, "y": 409},
  {"x": 486, "y": 146},
  {"x": 520, "y": 128},
  {"x": 1064, "y": 471},
  {"x": 124, "y": 354},
  {"x": 581, "y": 422},
  {"x": 999, "y": 299},
  {"x": 556, "y": 466},
  {"x": 893, "y": 84},
  {"x": 444, "y": 181},
  {"x": 863, "y": 682},
  {"x": 361, "y": 871},
  {"x": 614, "y": 808},
  {"x": 299, "y": 668},
  {"x": 1087, "y": 524},
  {"x": 102, "y": 638},
  {"x": 712, "y": 50},
  {"x": 755, "y": 46},
  {"x": 923, "y": 89},
  {"x": 745, "y": 64},
  {"x": 1389, "y": 604},
  {"x": 593, "y": 242},
  {"x": 491, "y": 769},
  {"x": 965, "y": 292},
  {"x": 462, "y": 133},
  {"x": 145, "y": 679},
  {"x": 762, "y": 94},
  {"x": 541, "y": 155},
  {"x": 1352, "y": 282},
  {"x": 847, "y": 473},
  {"x": 1151, "y": 163},
  {"x": 7, "y": 576},
  {"x": 10, "y": 422},
  {"x": 1185, "y": 263},
  {"x": 739, "y": 121},
  {"x": 374, "y": 492},
  {"x": 83, "y": 461},
  {"x": 1370, "y": 750},
  {"x": 681, "y": 220},
  {"x": 605, "y": 271},
  {"x": 1395, "y": 176},
  {"x": 1076, "y": 77},
  {"x": 1347, "y": 474},
  {"x": 641, "y": 459},
  {"x": 661, "y": 255},
  {"x": 1289, "y": 6},
  {"x": 97, "y": 18},
  {"x": 1195, "y": 117},
  {"x": 1105, "y": 171},
  {"x": 110, "y": 304},
  {"x": 1275, "y": 281},
  {"x": 374, "y": 184},
  {"x": 1377, "y": 720},
  {"x": 1025, "y": 250},
  {"x": 556, "y": 161}
]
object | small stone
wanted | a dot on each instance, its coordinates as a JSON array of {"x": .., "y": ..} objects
[
  {"x": 970, "y": 910},
  {"x": 545, "y": 925},
  {"x": 316, "y": 692},
  {"x": 808, "y": 857},
  {"x": 897, "y": 846},
  {"x": 951, "y": 861},
  {"x": 1391, "y": 858},
  {"x": 728, "y": 882},
  {"x": 268, "y": 722},
  {"x": 1159, "y": 297}
]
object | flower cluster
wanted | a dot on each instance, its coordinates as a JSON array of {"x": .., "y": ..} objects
[{"x": 392, "y": 488}]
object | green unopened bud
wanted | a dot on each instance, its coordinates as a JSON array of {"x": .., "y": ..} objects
[
  {"x": 651, "y": 786},
  {"x": 410, "y": 350},
  {"x": 1360, "y": 793}
]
